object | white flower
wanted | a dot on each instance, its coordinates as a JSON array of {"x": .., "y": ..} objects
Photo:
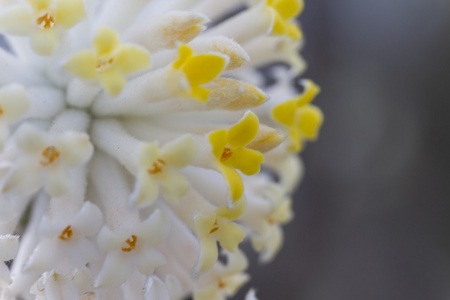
[{"x": 157, "y": 113}]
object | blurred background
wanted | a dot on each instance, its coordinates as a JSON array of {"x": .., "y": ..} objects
[{"x": 373, "y": 212}]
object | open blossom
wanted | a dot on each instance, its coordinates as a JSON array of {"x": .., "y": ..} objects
[{"x": 125, "y": 179}]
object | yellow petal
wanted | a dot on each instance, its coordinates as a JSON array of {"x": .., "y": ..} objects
[
  {"x": 234, "y": 282},
  {"x": 245, "y": 160},
  {"x": 283, "y": 213},
  {"x": 279, "y": 24},
  {"x": 132, "y": 58},
  {"x": 288, "y": 9},
  {"x": 82, "y": 65},
  {"x": 39, "y": 4},
  {"x": 148, "y": 154},
  {"x": 233, "y": 213},
  {"x": 234, "y": 182},
  {"x": 44, "y": 41},
  {"x": 199, "y": 94},
  {"x": 204, "y": 224},
  {"x": 241, "y": 134},
  {"x": 106, "y": 41},
  {"x": 180, "y": 152},
  {"x": 208, "y": 255},
  {"x": 173, "y": 185},
  {"x": 218, "y": 141},
  {"x": 184, "y": 53},
  {"x": 284, "y": 112},
  {"x": 230, "y": 235},
  {"x": 311, "y": 91},
  {"x": 202, "y": 68},
  {"x": 294, "y": 31},
  {"x": 295, "y": 140},
  {"x": 309, "y": 120},
  {"x": 69, "y": 12},
  {"x": 113, "y": 82},
  {"x": 210, "y": 293}
]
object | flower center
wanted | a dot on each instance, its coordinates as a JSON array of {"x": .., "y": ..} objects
[
  {"x": 131, "y": 242},
  {"x": 46, "y": 21},
  {"x": 215, "y": 227},
  {"x": 104, "y": 63},
  {"x": 156, "y": 166},
  {"x": 271, "y": 221},
  {"x": 226, "y": 154},
  {"x": 66, "y": 234},
  {"x": 50, "y": 154},
  {"x": 221, "y": 284}
]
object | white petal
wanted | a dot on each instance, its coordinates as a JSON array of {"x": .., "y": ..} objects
[
  {"x": 273, "y": 244},
  {"x": 16, "y": 20},
  {"x": 44, "y": 41},
  {"x": 115, "y": 271},
  {"x": 59, "y": 287},
  {"x": 45, "y": 256},
  {"x": 156, "y": 289},
  {"x": 75, "y": 148},
  {"x": 173, "y": 185},
  {"x": 174, "y": 287},
  {"x": 180, "y": 152},
  {"x": 83, "y": 280},
  {"x": 4, "y": 273},
  {"x": 251, "y": 295},
  {"x": 108, "y": 240},
  {"x": 148, "y": 154},
  {"x": 155, "y": 229},
  {"x": 145, "y": 191},
  {"x": 211, "y": 293},
  {"x": 58, "y": 181},
  {"x": 236, "y": 262},
  {"x": 148, "y": 260},
  {"x": 13, "y": 101},
  {"x": 32, "y": 140},
  {"x": 234, "y": 282},
  {"x": 82, "y": 253},
  {"x": 25, "y": 178},
  {"x": 89, "y": 219},
  {"x": 9, "y": 244}
]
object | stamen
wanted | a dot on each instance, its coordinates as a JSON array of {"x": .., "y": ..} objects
[
  {"x": 271, "y": 221},
  {"x": 66, "y": 234},
  {"x": 157, "y": 166},
  {"x": 50, "y": 154},
  {"x": 46, "y": 21},
  {"x": 1, "y": 111},
  {"x": 221, "y": 284},
  {"x": 104, "y": 64},
  {"x": 226, "y": 154},
  {"x": 132, "y": 244},
  {"x": 215, "y": 228}
]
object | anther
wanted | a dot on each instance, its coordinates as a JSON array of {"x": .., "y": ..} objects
[
  {"x": 46, "y": 21},
  {"x": 50, "y": 154},
  {"x": 156, "y": 166},
  {"x": 226, "y": 154},
  {"x": 66, "y": 234},
  {"x": 131, "y": 243}
]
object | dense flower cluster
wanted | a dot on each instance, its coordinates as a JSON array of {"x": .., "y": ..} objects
[{"x": 139, "y": 143}]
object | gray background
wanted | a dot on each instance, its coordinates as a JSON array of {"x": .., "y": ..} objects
[{"x": 373, "y": 213}]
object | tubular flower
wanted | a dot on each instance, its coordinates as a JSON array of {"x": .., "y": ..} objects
[
  {"x": 42, "y": 19},
  {"x": 301, "y": 119},
  {"x": 228, "y": 146},
  {"x": 123, "y": 180}
]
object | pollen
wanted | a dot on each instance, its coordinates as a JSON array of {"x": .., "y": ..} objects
[
  {"x": 215, "y": 228},
  {"x": 50, "y": 154},
  {"x": 227, "y": 153},
  {"x": 66, "y": 234},
  {"x": 46, "y": 21},
  {"x": 157, "y": 167},
  {"x": 221, "y": 284},
  {"x": 103, "y": 64},
  {"x": 131, "y": 244}
]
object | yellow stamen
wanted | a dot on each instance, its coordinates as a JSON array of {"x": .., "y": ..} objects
[
  {"x": 103, "y": 64},
  {"x": 66, "y": 234},
  {"x": 50, "y": 154},
  {"x": 221, "y": 284},
  {"x": 227, "y": 153},
  {"x": 215, "y": 228},
  {"x": 46, "y": 21},
  {"x": 271, "y": 221},
  {"x": 156, "y": 167},
  {"x": 1, "y": 111},
  {"x": 131, "y": 243}
]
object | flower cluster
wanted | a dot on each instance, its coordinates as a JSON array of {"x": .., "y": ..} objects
[{"x": 138, "y": 143}]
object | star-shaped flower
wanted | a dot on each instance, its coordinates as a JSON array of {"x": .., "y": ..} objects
[
  {"x": 132, "y": 248},
  {"x": 42, "y": 19},
  {"x": 229, "y": 148},
  {"x": 46, "y": 160},
  {"x": 67, "y": 239},
  {"x": 218, "y": 227},
  {"x": 157, "y": 168},
  {"x": 109, "y": 61},
  {"x": 301, "y": 119}
]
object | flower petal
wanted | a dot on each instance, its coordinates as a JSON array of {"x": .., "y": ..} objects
[
  {"x": 9, "y": 244},
  {"x": 236, "y": 263},
  {"x": 44, "y": 41},
  {"x": 106, "y": 41},
  {"x": 39, "y": 4},
  {"x": 112, "y": 81},
  {"x": 234, "y": 282},
  {"x": 155, "y": 229},
  {"x": 156, "y": 289},
  {"x": 148, "y": 154},
  {"x": 230, "y": 235},
  {"x": 245, "y": 160},
  {"x": 88, "y": 220},
  {"x": 233, "y": 213},
  {"x": 108, "y": 240},
  {"x": 242, "y": 133},
  {"x": 75, "y": 148},
  {"x": 58, "y": 181},
  {"x": 284, "y": 113},
  {"x": 69, "y": 12},
  {"x": 203, "y": 68},
  {"x": 25, "y": 178},
  {"x": 115, "y": 271},
  {"x": 17, "y": 19},
  {"x": 58, "y": 286},
  {"x": 132, "y": 58},
  {"x": 173, "y": 185},
  {"x": 218, "y": 141},
  {"x": 309, "y": 119},
  {"x": 211, "y": 293},
  {"x": 145, "y": 192},
  {"x": 13, "y": 102},
  {"x": 208, "y": 255},
  {"x": 148, "y": 260},
  {"x": 179, "y": 153},
  {"x": 45, "y": 256},
  {"x": 5, "y": 275},
  {"x": 234, "y": 182},
  {"x": 82, "y": 65},
  {"x": 31, "y": 140}
]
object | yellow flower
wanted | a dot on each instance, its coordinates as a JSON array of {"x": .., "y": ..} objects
[
  {"x": 41, "y": 20},
  {"x": 284, "y": 12},
  {"x": 219, "y": 227},
  {"x": 301, "y": 119},
  {"x": 199, "y": 69},
  {"x": 109, "y": 61},
  {"x": 228, "y": 146}
]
